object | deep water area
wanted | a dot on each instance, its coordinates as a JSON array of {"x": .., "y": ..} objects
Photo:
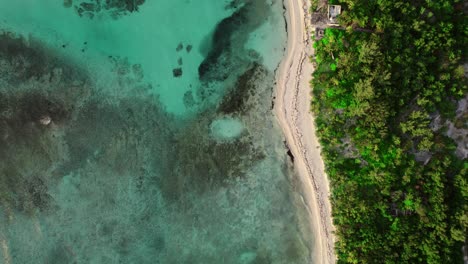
[{"x": 142, "y": 132}]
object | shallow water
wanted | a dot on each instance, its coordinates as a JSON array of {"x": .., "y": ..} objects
[{"x": 142, "y": 132}]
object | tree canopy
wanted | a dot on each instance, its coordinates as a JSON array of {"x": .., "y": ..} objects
[{"x": 399, "y": 191}]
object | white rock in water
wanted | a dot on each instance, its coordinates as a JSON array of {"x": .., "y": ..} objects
[
  {"x": 45, "y": 120},
  {"x": 226, "y": 128}
]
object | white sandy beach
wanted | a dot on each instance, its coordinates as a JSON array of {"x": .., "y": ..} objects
[{"x": 292, "y": 108}]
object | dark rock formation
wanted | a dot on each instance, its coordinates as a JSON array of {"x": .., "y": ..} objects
[
  {"x": 179, "y": 47},
  {"x": 177, "y": 72},
  {"x": 115, "y": 8}
]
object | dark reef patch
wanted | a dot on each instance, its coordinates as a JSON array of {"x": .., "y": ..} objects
[
  {"x": 180, "y": 47},
  {"x": 54, "y": 122},
  {"x": 115, "y": 8},
  {"x": 89, "y": 131},
  {"x": 114, "y": 134},
  {"x": 14, "y": 50},
  {"x": 28, "y": 148},
  {"x": 202, "y": 162},
  {"x": 127, "y": 73},
  {"x": 22, "y": 118},
  {"x": 38, "y": 96},
  {"x": 227, "y": 52},
  {"x": 234, "y": 4},
  {"x": 37, "y": 190},
  {"x": 67, "y": 3},
  {"x": 221, "y": 42},
  {"x": 28, "y": 59},
  {"x": 189, "y": 101},
  {"x": 177, "y": 72},
  {"x": 235, "y": 100},
  {"x": 94, "y": 128},
  {"x": 189, "y": 48},
  {"x": 35, "y": 106},
  {"x": 60, "y": 254}
]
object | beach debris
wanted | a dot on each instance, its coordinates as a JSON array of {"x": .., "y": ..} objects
[{"x": 177, "y": 72}]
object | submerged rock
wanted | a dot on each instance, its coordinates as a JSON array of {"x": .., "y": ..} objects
[
  {"x": 179, "y": 47},
  {"x": 236, "y": 99},
  {"x": 226, "y": 54},
  {"x": 177, "y": 72},
  {"x": 67, "y": 3},
  {"x": 189, "y": 101},
  {"x": 45, "y": 120}
]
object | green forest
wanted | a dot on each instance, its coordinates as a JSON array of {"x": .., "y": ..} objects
[{"x": 386, "y": 88}]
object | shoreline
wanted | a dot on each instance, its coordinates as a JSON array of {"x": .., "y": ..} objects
[{"x": 292, "y": 110}]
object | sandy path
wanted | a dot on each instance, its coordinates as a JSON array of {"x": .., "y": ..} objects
[{"x": 292, "y": 108}]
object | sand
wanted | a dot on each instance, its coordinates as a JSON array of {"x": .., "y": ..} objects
[{"x": 292, "y": 108}]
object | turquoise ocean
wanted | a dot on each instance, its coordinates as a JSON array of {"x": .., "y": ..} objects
[{"x": 136, "y": 131}]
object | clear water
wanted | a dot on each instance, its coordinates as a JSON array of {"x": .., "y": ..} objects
[{"x": 161, "y": 146}]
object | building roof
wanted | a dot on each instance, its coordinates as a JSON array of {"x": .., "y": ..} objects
[{"x": 333, "y": 12}]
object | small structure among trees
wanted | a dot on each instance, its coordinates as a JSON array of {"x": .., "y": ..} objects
[
  {"x": 325, "y": 17},
  {"x": 333, "y": 12}
]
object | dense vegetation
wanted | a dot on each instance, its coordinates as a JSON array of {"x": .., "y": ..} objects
[{"x": 382, "y": 97}]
